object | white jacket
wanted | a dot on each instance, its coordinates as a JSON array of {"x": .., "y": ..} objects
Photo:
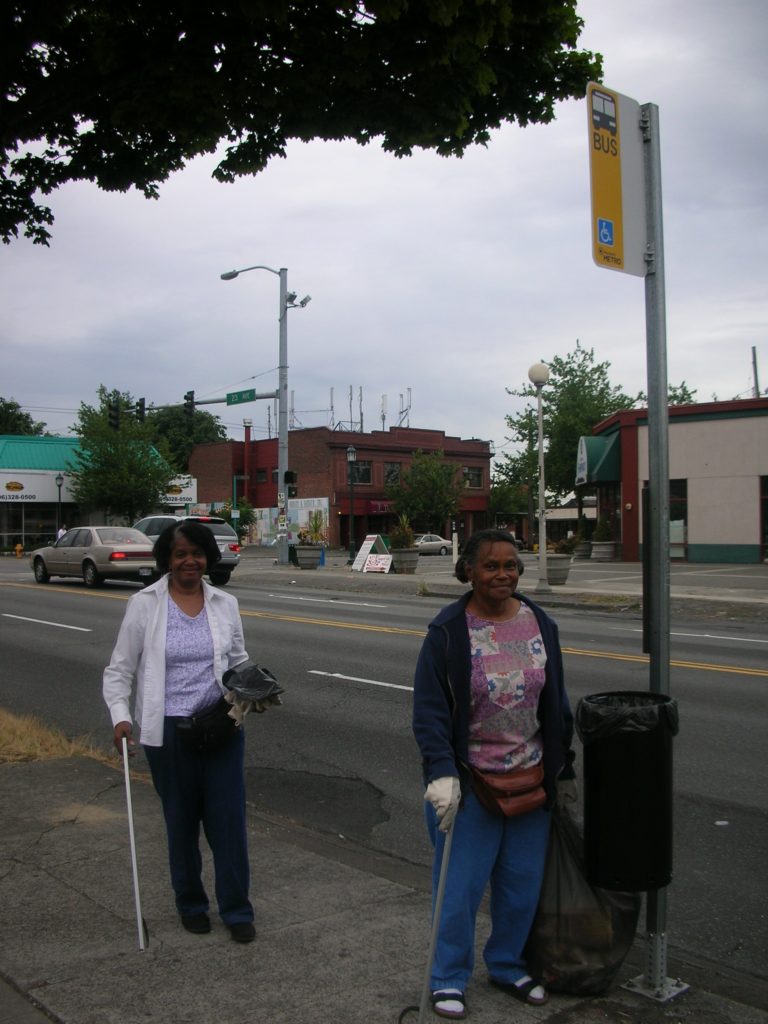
[{"x": 140, "y": 654}]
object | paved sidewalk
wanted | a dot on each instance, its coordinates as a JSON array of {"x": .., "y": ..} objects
[{"x": 342, "y": 932}]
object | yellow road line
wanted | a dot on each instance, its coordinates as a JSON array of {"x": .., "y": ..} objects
[
  {"x": 366, "y": 627},
  {"x": 641, "y": 659}
]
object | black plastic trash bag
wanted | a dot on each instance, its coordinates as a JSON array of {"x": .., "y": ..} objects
[
  {"x": 581, "y": 934},
  {"x": 252, "y": 682}
]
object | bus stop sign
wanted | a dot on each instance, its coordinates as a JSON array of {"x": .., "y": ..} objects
[{"x": 617, "y": 180}]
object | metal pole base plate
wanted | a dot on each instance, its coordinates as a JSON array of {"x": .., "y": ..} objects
[{"x": 668, "y": 989}]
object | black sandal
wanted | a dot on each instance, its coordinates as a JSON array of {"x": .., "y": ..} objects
[
  {"x": 444, "y": 996},
  {"x": 522, "y": 991}
]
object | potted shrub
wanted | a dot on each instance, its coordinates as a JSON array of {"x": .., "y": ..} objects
[
  {"x": 311, "y": 542},
  {"x": 405, "y": 557},
  {"x": 583, "y": 547},
  {"x": 603, "y": 544}
]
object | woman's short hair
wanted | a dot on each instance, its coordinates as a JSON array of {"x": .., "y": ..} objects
[
  {"x": 472, "y": 547},
  {"x": 196, "y": 533}
]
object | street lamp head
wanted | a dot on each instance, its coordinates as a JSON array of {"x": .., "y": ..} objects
[
  {"x": 303, "y": 302},
  {"x": 230, "y": 275},
  {"x": 538, "y": 374},
  {"x": 58, "y": 480},
  {"x": 351, "y": 454},
  {"x": 290, "y": 297}
]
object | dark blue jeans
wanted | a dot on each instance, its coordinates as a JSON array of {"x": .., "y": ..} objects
[{"x": 207, "y": 788}]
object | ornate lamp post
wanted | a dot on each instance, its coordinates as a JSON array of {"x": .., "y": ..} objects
[
  {"x": 351, "y": 460},
  {"x": 538, "y": 375},
  {"x": 58, "y": 480}
]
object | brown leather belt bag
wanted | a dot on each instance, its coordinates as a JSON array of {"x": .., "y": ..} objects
[{"x": 510, "y": 793}]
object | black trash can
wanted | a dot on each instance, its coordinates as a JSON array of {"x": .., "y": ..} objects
[{"x": 627, "y": 738}]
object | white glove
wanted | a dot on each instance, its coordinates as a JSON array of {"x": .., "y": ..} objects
[
  {"x": 444, "y": 795},
  {"x": 567, "y": 793}
]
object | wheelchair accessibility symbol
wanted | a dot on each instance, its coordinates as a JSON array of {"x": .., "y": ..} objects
[{"x": 605, "y": 231}]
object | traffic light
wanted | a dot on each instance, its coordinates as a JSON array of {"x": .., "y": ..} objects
[
  {"x": 189, "y": 403},
  {"x": 290, "y": 477},
  {"x": 141, "y": 410},
  {"x": 113, "y": 412}
]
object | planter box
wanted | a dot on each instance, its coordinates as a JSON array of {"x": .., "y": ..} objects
[
  {"x": 405, "y": 560},
  {"x": 603, "y": 550},
  {"x": 308, "y": 556},
  {"x": 583, "y": 550},
  {"x": 558, "y": 567}
]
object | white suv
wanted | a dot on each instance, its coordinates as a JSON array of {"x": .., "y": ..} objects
[{"x": 226, "y": 538}]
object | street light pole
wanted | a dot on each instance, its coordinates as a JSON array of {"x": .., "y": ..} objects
[
  {"x": 58, "y": 480},
  {"x": 538, "y": 375},
  {"x": 351, "y": 460},
  {"x": 287, "y": 301}
]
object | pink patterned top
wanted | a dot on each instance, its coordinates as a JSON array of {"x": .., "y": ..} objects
[{"x": 508, "y": 671}]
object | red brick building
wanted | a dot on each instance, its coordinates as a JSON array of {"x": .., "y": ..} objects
[{"x": 318, "y": 458}]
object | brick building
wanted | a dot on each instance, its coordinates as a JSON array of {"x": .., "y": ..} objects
[{"x": 318, "y": 458}]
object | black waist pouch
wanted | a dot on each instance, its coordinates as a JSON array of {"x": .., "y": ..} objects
[{"x": 209, "y": 730}]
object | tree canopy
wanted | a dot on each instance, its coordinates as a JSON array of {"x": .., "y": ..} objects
[
  {"x": 13, "y": 420},
  {"x": 118, "y": 471},
  {"x": 578, "y": 395},
  {"x": 180, "y": 432},
  {"x": 429, "y": 492},
  {"x": 125, "y": 94}
]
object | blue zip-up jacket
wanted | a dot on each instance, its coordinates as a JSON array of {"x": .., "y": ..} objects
[{"x": 441, "y": 699}]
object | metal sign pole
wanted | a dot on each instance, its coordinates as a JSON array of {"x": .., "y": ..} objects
[
  {"x": 657, "y": 616},
  {"x": 628, "y": 236}
]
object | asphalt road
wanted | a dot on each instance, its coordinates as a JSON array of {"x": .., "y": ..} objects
[{"x": 339, "y": 756}]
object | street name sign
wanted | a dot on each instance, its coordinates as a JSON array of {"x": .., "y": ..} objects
[
  {"x": 617, "y": 181},
  {"x": 238, "y": 397}
]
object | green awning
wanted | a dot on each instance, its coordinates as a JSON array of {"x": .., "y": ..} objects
[{"x": 598, "y": 460}]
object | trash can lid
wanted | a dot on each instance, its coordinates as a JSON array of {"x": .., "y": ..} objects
[{"x": 603, "y": 714}]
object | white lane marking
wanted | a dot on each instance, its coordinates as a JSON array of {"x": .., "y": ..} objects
[
  {"x": 44, "y": 622},
  {"x": 327, "y": 600},
  {"x": 357, "y": 679},
  {"x": 695, "y": 636}
]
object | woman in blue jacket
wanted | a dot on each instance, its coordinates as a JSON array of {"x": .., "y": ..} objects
[{"x": 489, "y": 696}]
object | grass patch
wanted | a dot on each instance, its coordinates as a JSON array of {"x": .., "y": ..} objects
[{"x": 27, "y": 738}]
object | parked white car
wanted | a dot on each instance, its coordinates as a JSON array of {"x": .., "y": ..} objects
[{"x": 432, "y": 544}]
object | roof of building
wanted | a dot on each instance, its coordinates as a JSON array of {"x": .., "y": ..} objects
[
  {"x": 31, "y": 452},
  {"x": 734, "y": 409}
]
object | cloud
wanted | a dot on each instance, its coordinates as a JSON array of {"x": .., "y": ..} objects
[{"x": 442, "y": 279}]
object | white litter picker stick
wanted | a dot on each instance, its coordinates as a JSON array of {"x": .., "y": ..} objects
[{"x": 140, "y": 923}]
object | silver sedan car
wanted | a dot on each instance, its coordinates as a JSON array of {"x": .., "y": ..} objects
[
  {"x": 97, "y": 553},
  {"x": 432, "y": 544}
]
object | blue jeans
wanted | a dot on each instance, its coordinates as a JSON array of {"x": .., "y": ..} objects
[
  {"x": 207, "y": 788},
  {"x": 507, "y": 852}
]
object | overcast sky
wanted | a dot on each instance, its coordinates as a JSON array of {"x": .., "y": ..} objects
[{"x": 438, "y": 279}]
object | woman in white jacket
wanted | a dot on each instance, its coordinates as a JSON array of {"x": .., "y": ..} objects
[{"x": 177, "y": 639}]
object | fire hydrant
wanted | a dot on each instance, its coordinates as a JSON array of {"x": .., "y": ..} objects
[{"x": 19, "y": 549}]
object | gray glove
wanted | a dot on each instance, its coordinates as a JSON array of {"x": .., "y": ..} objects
[{"x": 444, "y": 794}]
